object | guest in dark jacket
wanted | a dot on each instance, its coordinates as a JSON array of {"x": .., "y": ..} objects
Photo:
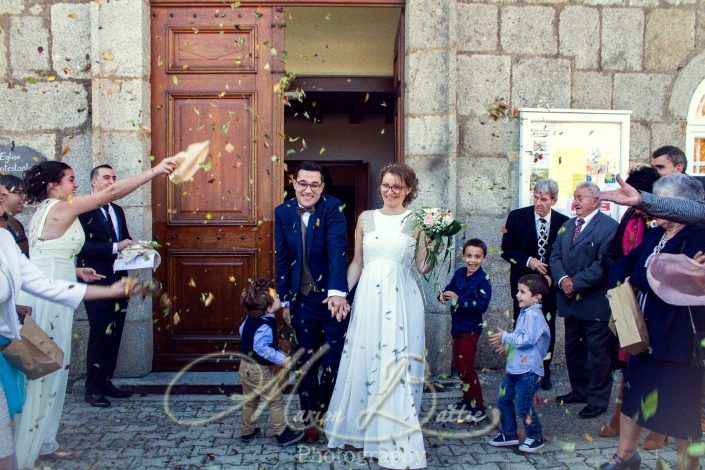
[
  {"x": 662, "y": 389},
  {"x": 469, "y": 293},
  {"x": 13, "y": 204},
  {"x": 527, "y": 242},
  {"x": 630, "y": 233}
]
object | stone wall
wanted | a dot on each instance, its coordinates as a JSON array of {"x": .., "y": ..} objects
[
  {"x": 77, "y": 90},
  {"x": 464, "y": 56},
  {"x": 77, "y": 78}
]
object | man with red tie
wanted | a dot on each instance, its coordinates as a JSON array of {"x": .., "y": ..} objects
[{"x": 106, "y": 235}]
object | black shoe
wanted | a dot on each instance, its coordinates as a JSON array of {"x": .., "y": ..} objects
[
  {"x": 289, "y": 436},
  {"x": 247, "y": 438},
  {"x": 591, "y": 411},
  {"x": 97, "y": 400},
  {"x": 477, "y": 414},
  {"x": 110, "y": 390},
  {"x": 631, "y": 463},
  {"x": 462, "y": 405},
  {"x": 570, "y": 398},
  {"x": 546, "y": 383}
]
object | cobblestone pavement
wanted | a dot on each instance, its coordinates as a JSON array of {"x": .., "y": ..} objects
[{"x": 137, "y": 433}]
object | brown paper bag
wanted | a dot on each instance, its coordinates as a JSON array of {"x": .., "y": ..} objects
[
  {"x": 35, "y": 354},
  {"x": 627, "y": 322}
]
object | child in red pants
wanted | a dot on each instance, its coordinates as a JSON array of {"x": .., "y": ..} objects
[{"x": 469, "y": 293}]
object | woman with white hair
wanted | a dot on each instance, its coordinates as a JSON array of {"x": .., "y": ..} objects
[
  {"x": 17, "y": 274},
  {"x": 663, "y": 385}
]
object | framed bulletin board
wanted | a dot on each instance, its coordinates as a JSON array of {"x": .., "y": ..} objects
[{"x": 570, "y": 146}]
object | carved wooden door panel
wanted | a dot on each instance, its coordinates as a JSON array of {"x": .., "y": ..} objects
[{"x": 213, "y": 75}]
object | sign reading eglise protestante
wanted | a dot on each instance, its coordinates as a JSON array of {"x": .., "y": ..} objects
[{"x": 17, "y": 160}]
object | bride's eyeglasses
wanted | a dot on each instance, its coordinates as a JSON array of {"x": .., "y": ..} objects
[{"x": 396, "y": 189}]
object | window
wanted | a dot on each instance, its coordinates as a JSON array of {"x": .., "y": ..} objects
[{"x": 695, "y": 133}]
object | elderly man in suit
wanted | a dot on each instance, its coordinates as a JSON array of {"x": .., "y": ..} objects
[
  {"x": 106, "y": 235},
  {"x": 528, "y": 251},
  {"x": 583, "y": 250}
]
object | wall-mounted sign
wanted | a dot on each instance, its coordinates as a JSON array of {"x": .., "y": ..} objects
[
  {"x": 17, "y": 160},
  {"x": 571, "y": 146}
]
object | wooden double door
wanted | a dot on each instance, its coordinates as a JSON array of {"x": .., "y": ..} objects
[{"x": 215, "y": 72}]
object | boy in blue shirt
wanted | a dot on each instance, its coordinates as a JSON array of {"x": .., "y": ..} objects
[
  {"x": 469, "y": 293},
  {"x": 261, "y": 345},
  {"x": 525, "y": 349}
]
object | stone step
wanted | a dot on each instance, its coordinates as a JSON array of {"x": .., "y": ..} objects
[{"x": 204, "y": 383}]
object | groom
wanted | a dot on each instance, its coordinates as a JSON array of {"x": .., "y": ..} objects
[{"x": 311, "y": 268}]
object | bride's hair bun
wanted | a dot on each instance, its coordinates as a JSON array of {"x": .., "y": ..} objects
[{"x": 407, "y": 175}]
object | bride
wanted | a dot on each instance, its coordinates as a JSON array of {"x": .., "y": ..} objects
[
  {"x": 377, "y": 397},
  {"x": 55, "y": 238}
]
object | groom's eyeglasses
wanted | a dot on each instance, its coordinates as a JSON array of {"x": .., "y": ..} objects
[
  {"x": 396, "y": 189},
  {"x": 305, "y": 184}
]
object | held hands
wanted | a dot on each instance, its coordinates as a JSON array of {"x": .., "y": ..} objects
[
  {"x": 88, "y": 274},
  {"x": 566, "y": 286},
  {"x": 338, "y": 307},
  {"x": 538, "y": 266},
  {"x": 496, "y": 341},
  {"x": 626, "y": 195},
  {"x": 126, "y": 243},
  {"x": 286, "y": 363}
]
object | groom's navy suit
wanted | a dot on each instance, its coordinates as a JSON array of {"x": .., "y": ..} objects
[{"x": 320, "y": 247}]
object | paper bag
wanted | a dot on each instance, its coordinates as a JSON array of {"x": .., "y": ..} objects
[
  {"x": 627, "y": 321},
  {"x": 35, "y": 354}
]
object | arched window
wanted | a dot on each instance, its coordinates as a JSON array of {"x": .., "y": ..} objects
[{"x": 695, "y": 133}]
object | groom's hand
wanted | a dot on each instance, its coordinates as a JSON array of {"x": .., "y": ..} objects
[{"x": 337, "y": 306}]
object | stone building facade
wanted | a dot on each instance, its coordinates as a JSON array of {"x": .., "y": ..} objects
[{"x": 77, "y": 88}]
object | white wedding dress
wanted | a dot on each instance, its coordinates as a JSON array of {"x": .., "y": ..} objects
[
  {"x": 37, "y": 426},
  {"x": 377, "y": 397}
]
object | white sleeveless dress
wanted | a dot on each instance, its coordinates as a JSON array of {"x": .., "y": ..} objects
[
  {"x": 377, "y": 397},
  {"x": 38, "y": 424}
]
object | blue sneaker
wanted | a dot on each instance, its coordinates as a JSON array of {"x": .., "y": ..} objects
[
  {"x": 531, "y": 445},
  {"x": 500, "y": 440}
]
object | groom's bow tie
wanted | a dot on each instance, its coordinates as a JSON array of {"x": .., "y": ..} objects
[{"x": 302, "y": 210}]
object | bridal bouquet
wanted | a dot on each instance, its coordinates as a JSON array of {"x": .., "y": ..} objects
[{"x": 435, "y": 224}]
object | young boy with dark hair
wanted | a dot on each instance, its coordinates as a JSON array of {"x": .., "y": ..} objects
[
  {"x": 469, "y": 293},
  {"x": 525, "y": 349},
  {"x": 260, "y": 343}
]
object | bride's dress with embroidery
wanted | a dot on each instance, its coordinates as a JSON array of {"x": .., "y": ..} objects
[
  {"x": 38, "y": 424},
  {"x": 377, "y": 397}
]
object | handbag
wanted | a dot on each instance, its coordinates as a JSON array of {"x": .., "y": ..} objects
[
  {"x": 35, "y": 353},
  {"x": 627, "y": 321}
]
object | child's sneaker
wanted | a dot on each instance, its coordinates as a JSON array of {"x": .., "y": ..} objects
[
  {"x": 289, "y": 436},
  {"x": 247, "y": 438},
  {"x": 531, "y": 445},
  {"x": 477, "y": 414},
  {"x": 500, "y": 440}
]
